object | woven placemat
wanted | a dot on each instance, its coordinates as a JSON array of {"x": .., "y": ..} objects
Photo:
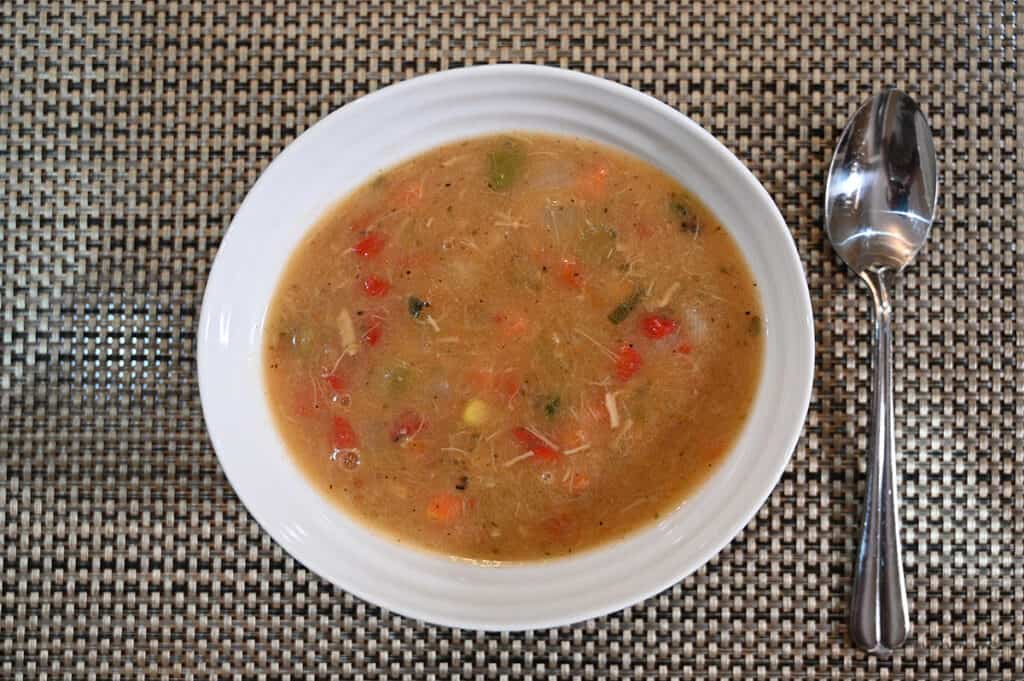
[{"x": 129, "y": 134}]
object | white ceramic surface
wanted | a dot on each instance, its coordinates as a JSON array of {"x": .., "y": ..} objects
[{"x": 334, "y": 157}]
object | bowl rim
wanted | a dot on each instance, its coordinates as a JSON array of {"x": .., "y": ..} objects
[{"x": 382, "y": 597}]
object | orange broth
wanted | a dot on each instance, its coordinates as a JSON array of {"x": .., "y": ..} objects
[{"x": 513, "y": 347}]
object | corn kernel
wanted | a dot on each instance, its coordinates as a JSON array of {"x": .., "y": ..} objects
[{"x": 476, "y": 412}]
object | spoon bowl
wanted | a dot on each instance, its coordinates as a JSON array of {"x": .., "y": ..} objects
[
  {"x": 879, "y": 206},
  {"x": 882, "y": 186}
]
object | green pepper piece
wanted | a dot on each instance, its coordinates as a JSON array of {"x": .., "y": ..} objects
[
  {"x": 623, "y": 310},
  {"x": 416, "y": 306}
]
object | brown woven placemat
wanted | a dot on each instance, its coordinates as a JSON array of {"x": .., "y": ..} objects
[{"x": 129, "y": 133}]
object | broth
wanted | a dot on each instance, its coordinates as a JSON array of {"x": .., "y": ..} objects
[{"x": 513, "y": 347}]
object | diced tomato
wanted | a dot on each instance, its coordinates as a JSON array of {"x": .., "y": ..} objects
[
  {"x": 445, "y": 507},
  {"x": 408, "y": 424},
  {"x": 370, "y": 245},
  {"x": 374, "y": 330},
  {"x": 657, "y": 326},
  {"x": 375, "y": 286},
  {"x": 627, "y": 362},
  {"x": 569, "y": 273},
  {"x": 541, "y": 450},
  {"x": 336, "y": 382},
  {"x": 343, "y": 436}
]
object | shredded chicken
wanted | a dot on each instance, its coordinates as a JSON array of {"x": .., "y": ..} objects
[
  {"x": 613, "y": 409},
  {"x": 522, "y": 457},
  {"x": 666, "y": 298},
  {"x": 349, "y": 344}
]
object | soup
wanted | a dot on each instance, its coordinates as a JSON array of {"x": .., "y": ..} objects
[{"x": 513, "y": 347}]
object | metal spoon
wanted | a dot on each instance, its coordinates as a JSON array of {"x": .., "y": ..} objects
[{"x": 879, "y": 206}]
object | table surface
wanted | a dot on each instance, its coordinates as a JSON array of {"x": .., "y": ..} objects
[{"x": 130, "y": 133}]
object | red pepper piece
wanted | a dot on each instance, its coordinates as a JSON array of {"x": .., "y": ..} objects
[
  {"x": 541, "y": 450},
  {"x": 336, "y": 382},
  {"x": 375, "y": 286},
  {"x": 370, "y": 245},
  {"x": 343, "y": 436},
  {"x": 657, "y": 326}
]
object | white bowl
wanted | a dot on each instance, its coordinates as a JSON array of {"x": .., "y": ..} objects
[{"x": 339, "y": 153}]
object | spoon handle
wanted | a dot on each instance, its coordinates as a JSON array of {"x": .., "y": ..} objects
[{"x": 879, "y": 622}]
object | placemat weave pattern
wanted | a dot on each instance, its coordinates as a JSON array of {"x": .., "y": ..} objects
[{"x": 129, "y": 133}]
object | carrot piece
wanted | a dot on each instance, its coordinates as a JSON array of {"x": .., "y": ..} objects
[
  {"x": 627, "y": 362},
  {"x": 445, "y": 507},
  {"x": 541, "y": 450},
  {"x": 569, "y": 273},
  {"x": 657, "y": 326},
  {"x": 375, "y": 286},
  {"x": 343, "y": 436}
]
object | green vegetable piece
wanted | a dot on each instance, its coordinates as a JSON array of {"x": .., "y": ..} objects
[
  {"x": 686, "y": 217},
  {"x": 678, "y": 207},
  {"x": 396, "y": 378},
  {"x": 623, "y": 310},
  {"x": 754, "y": 329},
  {"x": 416, "y": 306},
  {"x": 597, "y": 244},
  {"x": 552, "y": 406},
  {"x": 505, "y": 164}
]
